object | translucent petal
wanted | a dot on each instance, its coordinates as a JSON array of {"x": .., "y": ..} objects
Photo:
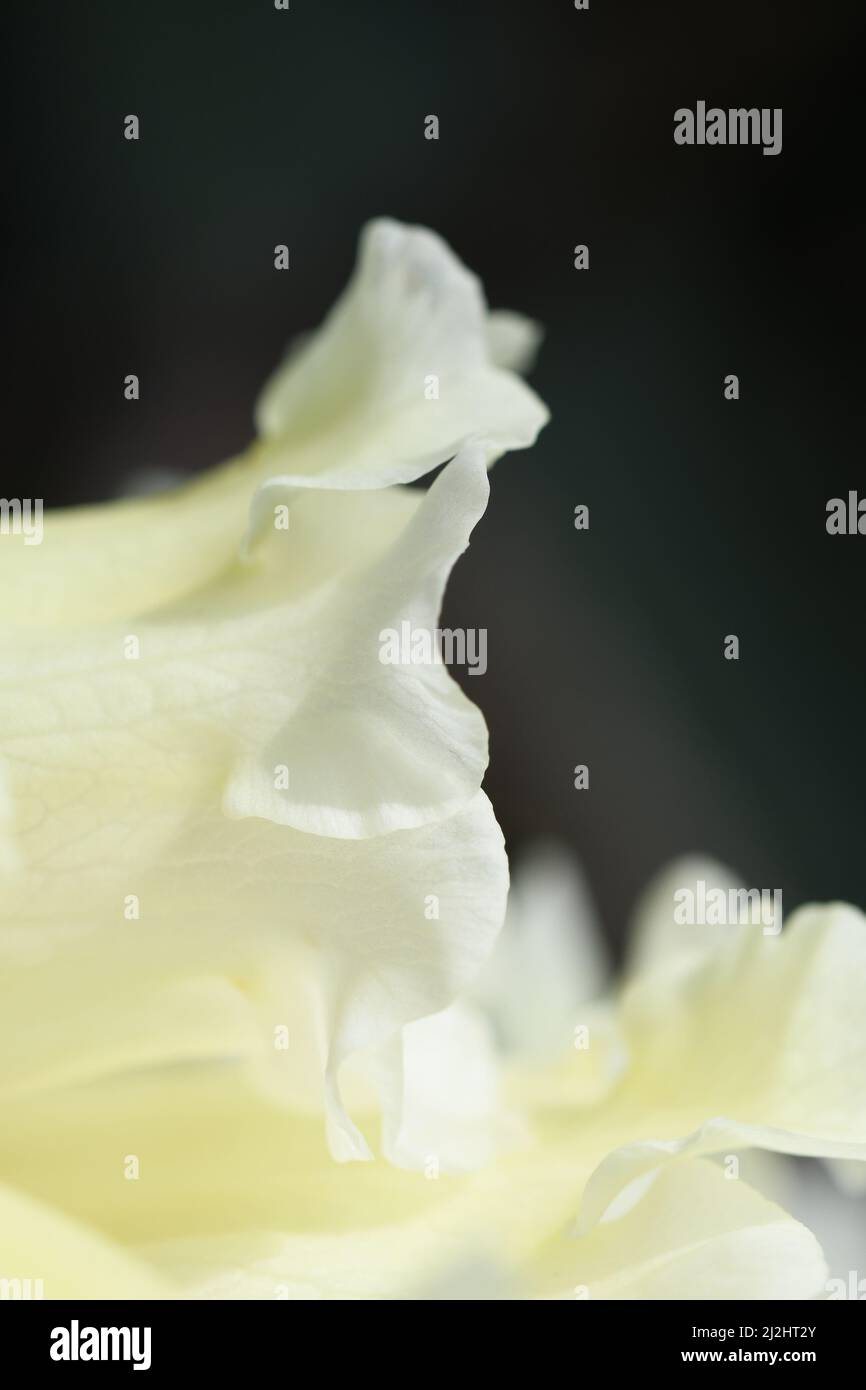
[{"x": 399, "y": 377}]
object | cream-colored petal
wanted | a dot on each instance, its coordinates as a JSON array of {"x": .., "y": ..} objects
[
  {"x": 265, "y": 682},
  {"x": 353, "y": 406},
  {"x": 513, "y": 340},
  {"x": 550, "y": 960},
  {"x": 153, "y": 946},
  {"x": 393, "y": 1235},
  {"x": 371, "y": 746},
  {"x": 44, "y": 1254},
  {"x": 120, "y": 560},
  {"x": 9, "y": 860},
  {"x": 442, "y": 1095},
  {"x": 408, "y": 966},
  {"x": 125, "y": 560},
  {"x": 232, "y": 1183},
  {"x": 574, "y": 1085},
  {"x": 235, "y": 1199},
  {"x": 246, "y": 929},
  {"x": 763, "y": 1044},
  {"x": 116, "y": 773},
  {"x": 656, "y": 937},
  {"x": 398, "y": 378},
  {"x": 806, "y": 1190},
  {"x": 106, "y": 999},
  {"x": 693, "y": 1234}
]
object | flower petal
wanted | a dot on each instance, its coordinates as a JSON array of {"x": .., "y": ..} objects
[
  {"x": 120, "y": 560},
  {"x": 762, "y": 1044},
  {"x": 656, "y": 937},
  {"x": 247, "y": 928},
  {"x": 442, "y": 1095},
  {"x": 549, "y": 961},
  {"x": 236, "y": 1196},
  {"x": 398, "y": 378},
  {"x": 692, "y": 1235},
  {"x": 371, "y": 747},
  {"x": 62, "y": 1259},
  {"x": 513, "y": 340}
]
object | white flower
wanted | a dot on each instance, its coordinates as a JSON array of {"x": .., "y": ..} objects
[
  {"x": 221, "y": 816},
  {"x": 722, "y": 1040},
  {"x": 222, "y": 822}
]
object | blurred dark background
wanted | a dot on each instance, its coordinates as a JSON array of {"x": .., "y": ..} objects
[{"x": 707, "y": 517}]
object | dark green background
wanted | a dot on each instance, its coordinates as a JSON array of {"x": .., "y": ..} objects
[{"x": 707, "y": 517}]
